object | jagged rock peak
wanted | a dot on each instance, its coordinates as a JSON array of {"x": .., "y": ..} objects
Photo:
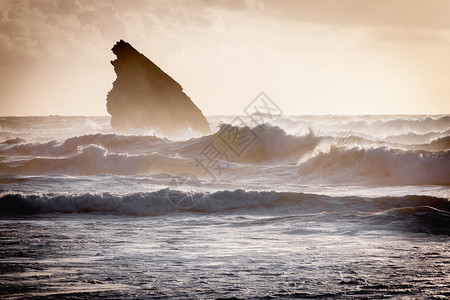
[{"x": 144, "y": 96}]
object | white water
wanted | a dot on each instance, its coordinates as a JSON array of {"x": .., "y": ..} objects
[{"x": 303, "y": 206}]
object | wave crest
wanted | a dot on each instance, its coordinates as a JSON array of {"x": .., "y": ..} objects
[{"x": 378, "y": 166}]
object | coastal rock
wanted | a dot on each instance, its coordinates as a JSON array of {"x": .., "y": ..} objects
[{"x": 144, "y": 96}]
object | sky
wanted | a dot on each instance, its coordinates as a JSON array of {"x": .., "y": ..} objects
[{"x": 308, "y": 56}]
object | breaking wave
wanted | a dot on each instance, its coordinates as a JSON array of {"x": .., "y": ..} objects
[
  {"x": 382, "y": 166},
  {"x": 94, "y": 159},
  {"x": 432, "y": 211},
  {"x": 386, "y": 126},
  {"x": 165, "y": 200},
  {"x": 113, "y": 142},
  {"x": 351, "y": 158}
]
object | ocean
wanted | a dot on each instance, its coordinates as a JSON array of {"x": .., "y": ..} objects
[{"x": 271, "y": 207}]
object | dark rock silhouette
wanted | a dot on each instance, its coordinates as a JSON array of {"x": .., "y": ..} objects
[{"x": 144, "y": 96}]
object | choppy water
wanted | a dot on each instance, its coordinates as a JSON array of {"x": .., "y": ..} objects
[{"x": 303, "y": 206}]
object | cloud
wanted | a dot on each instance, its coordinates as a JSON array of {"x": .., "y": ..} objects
[
  {"x": 402, "y": 14},
  {"x": 385, "y": 21},
  {"x": 52, "y": 29},
  {"x": 415, "y": 37},
  {"x": 31, "y": 30}
]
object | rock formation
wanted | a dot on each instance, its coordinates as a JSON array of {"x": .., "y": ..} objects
[{"x": 144, "y": 96}]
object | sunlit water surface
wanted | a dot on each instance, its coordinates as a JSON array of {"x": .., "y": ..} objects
[{"x": 224, "y": 255}]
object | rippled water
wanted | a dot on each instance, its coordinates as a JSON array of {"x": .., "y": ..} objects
[{"x": 225, "y": 255}]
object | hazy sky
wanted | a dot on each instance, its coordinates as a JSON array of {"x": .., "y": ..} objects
[{"x": 310, "y": 57}]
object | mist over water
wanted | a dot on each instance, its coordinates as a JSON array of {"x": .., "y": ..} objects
[{"x": 300, "y": 206}]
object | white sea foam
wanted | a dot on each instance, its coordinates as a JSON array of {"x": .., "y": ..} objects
[
  {"x": 323, "y": 156},
  {"x": 378, "y": 166}
]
